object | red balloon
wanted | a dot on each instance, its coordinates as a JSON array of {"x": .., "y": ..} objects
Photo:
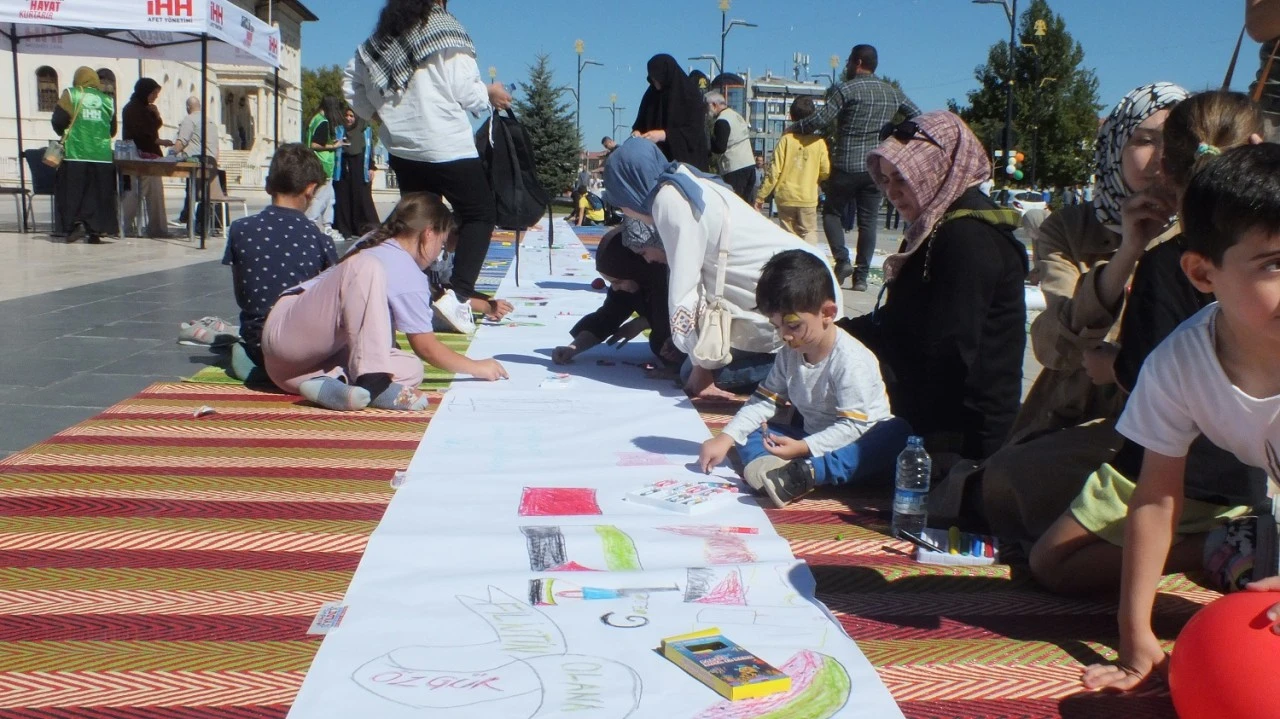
[
  {"x": 1226, "y": 659},
  {"x": 597, "y": 284}
]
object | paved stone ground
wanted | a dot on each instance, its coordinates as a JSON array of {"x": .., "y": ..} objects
[{"x": 87, "y": 326}]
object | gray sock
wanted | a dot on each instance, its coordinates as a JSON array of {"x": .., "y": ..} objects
[
  {"x": 398, "y": 396},
  {"x": 334, "y": 394},
  {"x": 241, "y": 366}
]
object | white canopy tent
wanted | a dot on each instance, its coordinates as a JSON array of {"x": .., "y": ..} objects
[{"x": 179, "y": 30}]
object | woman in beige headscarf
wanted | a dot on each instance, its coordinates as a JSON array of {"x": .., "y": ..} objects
[{"x": 85, "y": 189}]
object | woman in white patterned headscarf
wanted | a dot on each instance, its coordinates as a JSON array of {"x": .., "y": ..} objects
[{"x": 1086, "y": 255}]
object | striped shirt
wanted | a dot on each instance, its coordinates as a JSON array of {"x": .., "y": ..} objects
[
  {"x": 840, "y": 398},
  {"x": 861, "y": 107}
]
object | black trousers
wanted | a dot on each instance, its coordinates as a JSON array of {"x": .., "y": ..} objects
[
  {"x": 856, "y": 189},
  {"x": 464, "y": 184},
  {"x": 743, "y": 182}
]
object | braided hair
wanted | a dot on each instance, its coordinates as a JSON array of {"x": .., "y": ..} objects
[{"x": 415, "y": 213}]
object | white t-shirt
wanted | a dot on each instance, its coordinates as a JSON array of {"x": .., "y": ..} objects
[
  {"x": 429, "y": 121},
  {"x": 840, "y": 397},
  {"x": 1183, "y": 392}
]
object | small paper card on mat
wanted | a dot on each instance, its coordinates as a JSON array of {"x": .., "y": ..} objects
[{"x": 685, "y": 497}]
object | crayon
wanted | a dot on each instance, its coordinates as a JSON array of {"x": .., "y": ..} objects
[
  {"x": 921, "y": 541},
  {"x": 953, "y": 540}
]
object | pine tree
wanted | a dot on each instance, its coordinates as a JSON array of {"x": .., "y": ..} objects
[
  {"x": 1056, "y": 104},
  {"x": 548, "y": 119},
  {"x": 316, "y": 84}
]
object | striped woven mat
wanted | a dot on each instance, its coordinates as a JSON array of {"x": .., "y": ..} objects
[{"x": 157, "y": 565}]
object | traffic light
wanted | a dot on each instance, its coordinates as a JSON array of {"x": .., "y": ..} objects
[{"x": 1014, "y": 168}]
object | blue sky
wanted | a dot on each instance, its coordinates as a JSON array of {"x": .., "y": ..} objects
[{"x": 931, "y": 46}]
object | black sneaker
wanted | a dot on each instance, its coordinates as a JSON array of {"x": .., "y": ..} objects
[
  {"x": 79, "y": 232},
  {"x": 789, "y": 482},
  {"x": 844, "y": 270},
  {"x": 859, "y": 284}
]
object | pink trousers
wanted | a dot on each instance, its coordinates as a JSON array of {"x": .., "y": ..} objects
[{"x": 341, "y": 328}]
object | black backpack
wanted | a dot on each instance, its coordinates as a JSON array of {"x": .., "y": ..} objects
[{"x": 508, "y": 160}]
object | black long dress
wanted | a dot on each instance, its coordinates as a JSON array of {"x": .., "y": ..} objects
[{"x": 354, "y": 214}]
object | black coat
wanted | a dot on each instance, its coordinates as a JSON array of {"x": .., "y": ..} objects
[{"x": 951, "y": 343}]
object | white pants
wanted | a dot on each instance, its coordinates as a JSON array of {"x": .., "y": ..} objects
[{"x": 320, "y": 211}]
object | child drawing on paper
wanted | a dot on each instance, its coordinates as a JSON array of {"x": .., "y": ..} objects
[
  {"x": 635, "y": 288},
  {"x": 832, "y": 380},
  {"x": 330, "y": 339}
]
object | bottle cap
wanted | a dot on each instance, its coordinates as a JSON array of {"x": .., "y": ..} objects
[{"x": 915, "y": 441}]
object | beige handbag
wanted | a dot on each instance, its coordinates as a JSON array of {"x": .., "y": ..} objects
[{"x": 715, "y": 321}]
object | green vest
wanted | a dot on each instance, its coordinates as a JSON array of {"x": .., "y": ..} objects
[
  {"x": 89, "y": 137},
  {"x": 328, "y": 158}
]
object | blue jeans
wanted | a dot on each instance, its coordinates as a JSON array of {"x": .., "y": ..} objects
[
  {"x": 747, "y": 370},
  {"x": 869, "y": 460}
]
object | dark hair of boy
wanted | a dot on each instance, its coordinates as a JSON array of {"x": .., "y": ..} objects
[
  {"x": 801, "y": 108},
  {"x": 293, "y": 168},
  {"x": 1230, "y": 196},
  {"x": 794, "y": 281}
]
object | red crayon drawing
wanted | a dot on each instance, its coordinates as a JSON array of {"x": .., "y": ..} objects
[{"x": 558, "y": 502}]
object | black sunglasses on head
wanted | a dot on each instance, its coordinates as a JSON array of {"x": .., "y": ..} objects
[{"x": 905, "y": 132}]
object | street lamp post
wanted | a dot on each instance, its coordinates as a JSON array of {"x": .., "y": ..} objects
[
  {"x": 579, "y": 47},
  {"x": 614, "y": 108},
  {"x": 726, "y": 25},
  {"x": 716, "y": 69},
  {"x": 1012, "y": 14}
]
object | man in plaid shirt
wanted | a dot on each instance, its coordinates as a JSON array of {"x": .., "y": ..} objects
[{"x": 862, "y": 107}]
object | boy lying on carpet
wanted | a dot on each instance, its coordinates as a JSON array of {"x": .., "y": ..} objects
[
  {"x": 832, "y": 380},
  {"x": 330, "y": 339},
  {"x": 1217, "y": 375},
  {"x": 275, "y": 250}
]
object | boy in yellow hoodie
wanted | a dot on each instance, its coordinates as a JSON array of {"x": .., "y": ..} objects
[{"x": 800, "y": 162}]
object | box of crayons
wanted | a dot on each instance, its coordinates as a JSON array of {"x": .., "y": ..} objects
[
  {"x": 956, "y": 548},
  {"x": 685, "y": 497},
  {"x": 732, "y": 671}
]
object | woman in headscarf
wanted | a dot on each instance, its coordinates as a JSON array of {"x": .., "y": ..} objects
[
  {"x": 355, "y": 213},
  {"x": 141, "y": 123},
  {"x": 696, "y": 217},
  {"x": 636, "y": 287},
  {"x": 85, "y": 190},
  {"x": 950, "y": 336},
  {"x": 1086, "y": 255},
  {"x": 417, "y": 73},
  {"x": 674, "y": 115}
]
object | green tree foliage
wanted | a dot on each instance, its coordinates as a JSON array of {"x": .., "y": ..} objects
[
  {"x": 316, "y": 83},
  {"x": 1056, "y": 104},
  {"x": 548, "y": 119}
]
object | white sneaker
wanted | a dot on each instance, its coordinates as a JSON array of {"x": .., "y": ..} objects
[{"x": 452, "y": 315}]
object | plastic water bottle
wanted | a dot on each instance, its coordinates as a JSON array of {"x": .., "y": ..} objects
[{"x": 911, "y": 497}]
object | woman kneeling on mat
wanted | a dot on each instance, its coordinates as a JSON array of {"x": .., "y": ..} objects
[{"x": 331, "y": 339}]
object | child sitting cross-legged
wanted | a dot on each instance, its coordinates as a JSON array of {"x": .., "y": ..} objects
[
  {"x": 332, "y": 339},
  {"x": 834, "y": 383},
  {"x": 1217, "y": 375}
]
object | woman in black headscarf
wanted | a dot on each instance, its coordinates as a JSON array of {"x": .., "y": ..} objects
[
  {"x": 355, "y": 213},
  {"x": 635, "y": 287},
  {"x": 674, "y": 115}
]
